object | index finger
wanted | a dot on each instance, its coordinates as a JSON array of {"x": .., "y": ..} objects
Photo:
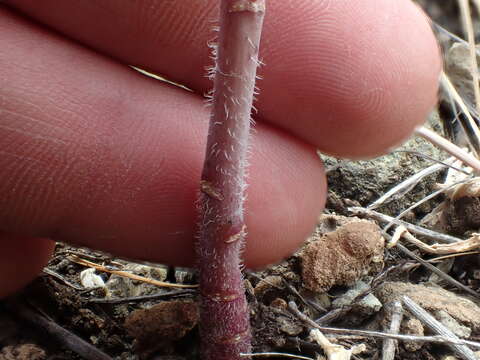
[{"x": 337, "y": 74}]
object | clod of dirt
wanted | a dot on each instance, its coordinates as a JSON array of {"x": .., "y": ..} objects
[
  {"x": 343, "y": 256},
  {"x": 462, "y": 209},
  {"x": 412, "y": 326},
  {"x": 433, "y": 299},
  {"x": 161, "y": 324},
  {"x": 22, "y": 352}
]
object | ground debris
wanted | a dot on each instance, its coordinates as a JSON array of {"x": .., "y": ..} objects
[
  {"x": 268, "y": 285},
  {"x": 461, "y": 211},
  {"x": 433, "y": 299},
  {"x": 272, "y": 326},
  {"x": 119, "y": 286}
]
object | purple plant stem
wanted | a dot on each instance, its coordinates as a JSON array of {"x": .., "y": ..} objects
[{"x": 224, "y": 314}]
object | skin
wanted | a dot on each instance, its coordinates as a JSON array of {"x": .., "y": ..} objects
[{"x": 95, "y": 154}]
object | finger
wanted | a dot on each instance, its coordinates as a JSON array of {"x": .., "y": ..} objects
[
  {"x": 94, "y": 154},
  {"x": 21, "y": 259},
  {"x": 343, "y": 71}
]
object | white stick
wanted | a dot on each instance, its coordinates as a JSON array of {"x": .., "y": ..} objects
[{"x": 449, "y": 147}]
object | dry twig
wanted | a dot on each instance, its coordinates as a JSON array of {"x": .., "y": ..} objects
[
  {"x": 473, "y": 243},
  {"x": 441, "y": 258},
  {"x": 405, "y": 186},
  {"x": 60, "y": 334},
  {"x": 425, "y": 199},
  {"x": 464, "y": 107},
  {"x": 389, "y": 345},
  {"x": 63, "y": 279}
]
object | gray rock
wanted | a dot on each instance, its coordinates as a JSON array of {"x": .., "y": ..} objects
[
  {"x": 452, "y": 324},
  {"x": 367, "y": 306},
  {"x": 459, "y": 69}
]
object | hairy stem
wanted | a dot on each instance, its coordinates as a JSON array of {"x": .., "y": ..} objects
[{"x": 224, "y": 326}]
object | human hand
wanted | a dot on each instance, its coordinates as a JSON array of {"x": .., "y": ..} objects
[{"x": 95, "y": 154}]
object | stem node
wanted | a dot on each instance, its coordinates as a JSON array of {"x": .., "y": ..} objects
[
  {"x": 207, "y": 188},
  {"x": 238, "y": 236}
]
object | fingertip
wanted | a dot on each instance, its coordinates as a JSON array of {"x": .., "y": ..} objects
[
  {"x": 21, "y": 260},
  {"x": 399, "y": 89},
  {"x": 368, "y": 76}
]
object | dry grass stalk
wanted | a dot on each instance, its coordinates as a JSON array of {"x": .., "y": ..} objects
[
  {"x": 453, "y": 93},
  {"x": 449, "y": 147}
]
